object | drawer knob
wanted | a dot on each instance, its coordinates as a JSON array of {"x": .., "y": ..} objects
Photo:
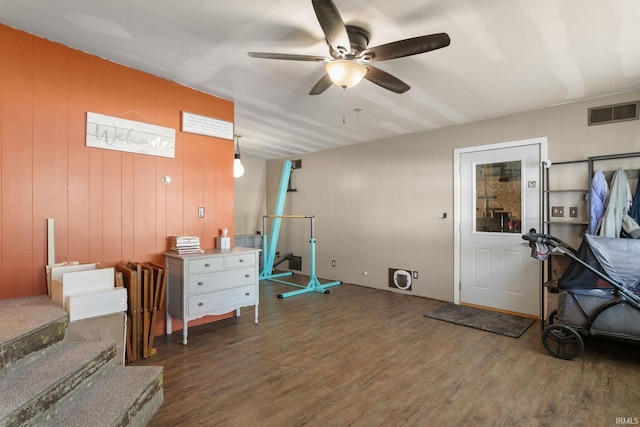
[
  {"x": 246, "y": 294},
  {"x": 207, "y": 265},
  {"x": 200, "y": 304},
  {"x": 200, "y": 283},
  {"x": 247, "y": 275},
  {"x": 241, "y": 259}
]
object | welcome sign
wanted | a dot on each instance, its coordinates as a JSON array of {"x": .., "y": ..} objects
[{"x": 114, "y": 133}]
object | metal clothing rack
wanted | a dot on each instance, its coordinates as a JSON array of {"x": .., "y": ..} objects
[{"x": 631, "y": 174}]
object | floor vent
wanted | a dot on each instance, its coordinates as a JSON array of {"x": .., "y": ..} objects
[{"x": 614, "y": 113}]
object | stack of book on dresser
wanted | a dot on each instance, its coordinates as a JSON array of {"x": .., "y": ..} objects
[{"x": 185, "y": 245}]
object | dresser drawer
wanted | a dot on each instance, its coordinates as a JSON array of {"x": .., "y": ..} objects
[
  {"x": 221, "y": 280},
  {"x": 232, "y": 261},
  {"x": 227, "y": 299},
  {"x": 204, "y": 265}
]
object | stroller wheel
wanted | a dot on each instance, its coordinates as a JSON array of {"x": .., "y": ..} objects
[{"x": 562, "y": 341}]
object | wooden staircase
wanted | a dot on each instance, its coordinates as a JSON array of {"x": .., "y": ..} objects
[{"x": 46, "y": 380}]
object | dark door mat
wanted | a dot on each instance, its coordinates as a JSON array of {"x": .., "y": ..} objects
[{"x": 490, "y": 321}]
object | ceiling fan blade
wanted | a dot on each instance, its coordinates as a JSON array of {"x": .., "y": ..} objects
[
  {"x": 407, "y": 47},
  {"x": 385, "y": 80},
  {"x": 323, "y": 84},
  {"x": 287, "y": 56},
  {"x": 332, "y": 25}
]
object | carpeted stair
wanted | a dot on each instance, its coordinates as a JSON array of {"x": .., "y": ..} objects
[{"x": 46, "y": 380}]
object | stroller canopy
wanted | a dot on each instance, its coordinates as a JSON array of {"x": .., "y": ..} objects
[{"x": 616, "y": 258}]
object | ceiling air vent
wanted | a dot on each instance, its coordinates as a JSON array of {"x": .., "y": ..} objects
[{"x": 614, "y": 113}]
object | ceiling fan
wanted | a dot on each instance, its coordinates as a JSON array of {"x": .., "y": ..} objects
[{"x": 350, "y": 57}]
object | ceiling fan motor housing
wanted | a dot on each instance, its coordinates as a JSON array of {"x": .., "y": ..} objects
[{"x": 359, "y": 38}]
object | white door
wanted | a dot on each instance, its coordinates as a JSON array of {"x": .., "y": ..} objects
[{"x": 499, "y": 201}]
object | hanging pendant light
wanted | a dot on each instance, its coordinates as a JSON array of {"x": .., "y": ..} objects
[{"x": 238, "y": 169}]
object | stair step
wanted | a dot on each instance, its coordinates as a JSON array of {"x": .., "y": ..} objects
[
  {"x": 37, "y": 383},
  {"x": 29, "y": 324},
  {"x": 128, "y": 395},
  {"x": 46, "y": 380}
]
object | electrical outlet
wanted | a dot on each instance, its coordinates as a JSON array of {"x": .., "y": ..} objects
[
  {"x": 333, "y": 263},
  {"x": 557, "y": 211},
  {"x": 573, "y": 211}
]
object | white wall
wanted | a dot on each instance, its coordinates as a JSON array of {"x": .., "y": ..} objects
[
  {"x": 380, "y": 204},
  {"x": 250, "y": 197}
]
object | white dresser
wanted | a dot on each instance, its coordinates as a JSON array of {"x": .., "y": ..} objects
[{"x": 214, "y": 282}]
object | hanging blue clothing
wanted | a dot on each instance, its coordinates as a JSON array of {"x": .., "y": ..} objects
[
  {"x": 635, "y": 206},
  {"x": 597, "y": 199}
]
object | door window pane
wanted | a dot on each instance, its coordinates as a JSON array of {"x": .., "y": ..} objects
[{"x": 499, "y": 197}]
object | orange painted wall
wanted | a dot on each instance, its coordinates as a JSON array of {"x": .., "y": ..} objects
[{"x": 109, "y": 206}]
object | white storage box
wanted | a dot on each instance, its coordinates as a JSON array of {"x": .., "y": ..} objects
[
  {"x": 93, "y": 279},
  {"x": 55, "y": 272},
  {"x": 96, "y": 303}
]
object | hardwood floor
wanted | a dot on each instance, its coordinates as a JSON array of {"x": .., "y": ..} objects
[{"x": 366, "y": 357}]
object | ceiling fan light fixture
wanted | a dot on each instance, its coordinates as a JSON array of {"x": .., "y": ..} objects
[{"x": 345, "y": 73}]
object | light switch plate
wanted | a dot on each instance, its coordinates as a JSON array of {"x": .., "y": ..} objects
[
  {"x": 200, "y": 212},
  {"x": 557, "y": 211}
]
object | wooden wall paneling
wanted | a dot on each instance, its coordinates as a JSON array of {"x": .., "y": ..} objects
[
  {"x": 82, "y": 82},
  {"x": 175, "y": 169},
  {"x": 160, "y": 206},
  {"x": 96, "y": 232},
  {"x": 163, "y": 118},
  {"x": 193, "y": 184},
  {"x": 218, "y": 170},
  {"x": 50, "y": 91},
  {"x": 17, "y": 166},
  {"x": 145, "y": 106},
  {"x": 193, "y": 169},
  {"x": 107, "y": 91},
  {"x": 127, "y": 188},
  {"x": 144, "y": 227},
  {"x": 213, "y": 220},
  {"x": 113, "y": 240},
  {"x": 91, "y": 192},
  {"x": 173, "y": 192},
  {"x": 117, "y": 85}
]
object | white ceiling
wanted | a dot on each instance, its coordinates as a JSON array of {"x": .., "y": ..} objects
[{"x": 505, "y": 56}]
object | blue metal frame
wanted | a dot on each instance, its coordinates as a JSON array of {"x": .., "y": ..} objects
[
  {"x": 269, "y": 245},
  {"x": 314, "y": 284}
]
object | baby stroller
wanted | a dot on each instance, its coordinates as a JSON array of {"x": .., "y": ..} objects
[{"x": 599, "y": 293}]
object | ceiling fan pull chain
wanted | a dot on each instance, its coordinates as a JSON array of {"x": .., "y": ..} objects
[{"x": 344, "y": 105}]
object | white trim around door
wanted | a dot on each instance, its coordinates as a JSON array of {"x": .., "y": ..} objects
[{"x": 541, "y": 141}]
